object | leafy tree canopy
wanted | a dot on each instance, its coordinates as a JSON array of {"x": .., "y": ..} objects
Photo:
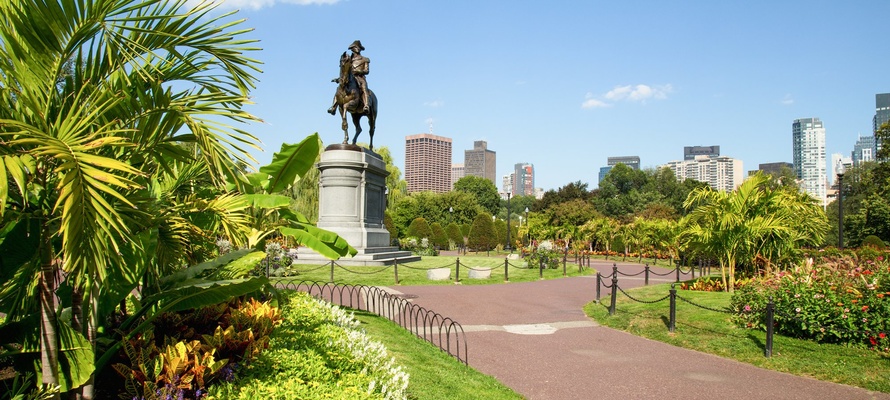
[{"x": 482, "y": 189}]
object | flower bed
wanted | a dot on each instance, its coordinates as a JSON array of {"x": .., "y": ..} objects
[{"x": 838, "y": 300}]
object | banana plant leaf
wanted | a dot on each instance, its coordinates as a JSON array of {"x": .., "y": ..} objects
[
  {"x": 326, "y": 243},
  {"x": 177, "y": 278},
  {"x": 291, "y": 161},
  {"x": 21, "y": 342}
]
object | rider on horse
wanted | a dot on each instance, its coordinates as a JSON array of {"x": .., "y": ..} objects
[{"x": 360, "y": 68}]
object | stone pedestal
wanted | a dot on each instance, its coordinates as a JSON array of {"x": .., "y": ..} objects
[{"x": 352, "y": 199}]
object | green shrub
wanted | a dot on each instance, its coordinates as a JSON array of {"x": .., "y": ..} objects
[
  {"x": 551, "y": 258},
  {"x": 318, "y": 352},
  {"x": 439, "y": 238},
  {"x": 874, "y": 242},
  {"x": 420, "y": 229},
  {"x": 836, "y": 301}
]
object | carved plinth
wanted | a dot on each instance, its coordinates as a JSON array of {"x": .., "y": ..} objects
[{"x": 352, "y": 199}]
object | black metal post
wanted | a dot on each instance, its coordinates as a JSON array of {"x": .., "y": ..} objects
[
  {"x": 541, "y": 268},
  {"x": 396, "y": 269},
  {"x": 457, "y": 270},
  {"x": 509, "y": 249},
  {"x": 614, "y": 290},
  {"x": 506, "y": 271},
  {"x": 599, "y": 284},
  {"x": 646, "y": 281},
  {"x": 332, "y": 271},
  {"x": 840, "y": 210},
  {"x": 770, "y": 318},
  {"x": 673, "y": 322},
  {"x": 678, "y": 273}
]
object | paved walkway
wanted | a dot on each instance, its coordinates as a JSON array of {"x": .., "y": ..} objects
[{"x": 535, "y": 338}]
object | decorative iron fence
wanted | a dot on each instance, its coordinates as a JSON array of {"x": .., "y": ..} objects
[{"x": 443, "y": 332}]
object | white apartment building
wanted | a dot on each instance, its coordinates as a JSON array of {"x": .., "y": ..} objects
[{"x": 721, "y": 173}]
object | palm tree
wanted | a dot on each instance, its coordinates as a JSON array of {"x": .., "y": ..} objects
[
  {"x": 736, "y": 226},
  {"x": 97, "y": 96}
]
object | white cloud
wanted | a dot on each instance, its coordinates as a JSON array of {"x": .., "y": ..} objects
[
  {"x": 639, "y": 93},
  {"x": 435, "y": 103},
  {"x": 594, "y": 103},
  {"x": 258, "y": 4},
  {"x": 632, "y": 93},
  {"x": 788, "y": 100}
]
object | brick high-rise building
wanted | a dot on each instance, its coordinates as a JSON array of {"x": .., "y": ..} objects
[{"x": 428, "y": 163}]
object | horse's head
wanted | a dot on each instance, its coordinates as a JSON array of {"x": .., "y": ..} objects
[{"x": 345, "y": 68}]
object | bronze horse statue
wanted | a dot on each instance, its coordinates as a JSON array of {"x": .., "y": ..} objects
[{"x": 349, "y": 98}]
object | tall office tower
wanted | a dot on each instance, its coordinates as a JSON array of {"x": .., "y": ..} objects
[
  {"x": 689, "y": 152},
  {"x": 428, "y": 163},
  {"x": 882, "y": 116},
  {"x": 863, "y": 150},
  {"x": 630, "y": 161},
  {"x": 524, "y": 179},
  {"x": 720, "y": 173},
  {"x": 882, "y": 110},
  {"x": 603, "y": 172},
  {"x": 457, "y": 172},
  {"x": 480, "y": 162},
  {"x": 808, "y": 156}
]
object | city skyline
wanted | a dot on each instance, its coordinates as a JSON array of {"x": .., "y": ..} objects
[{"x": 564, "y": 86}]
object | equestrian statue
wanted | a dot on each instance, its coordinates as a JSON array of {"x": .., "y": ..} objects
[{"x": 353, "y": 94}]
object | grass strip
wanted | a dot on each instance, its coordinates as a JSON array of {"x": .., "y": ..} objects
[
  {"x": 413, "y": 274},
  {"x": 715, "y": 333}
]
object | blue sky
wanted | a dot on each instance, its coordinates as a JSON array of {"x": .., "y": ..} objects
[{"x": 565, "y": 84}]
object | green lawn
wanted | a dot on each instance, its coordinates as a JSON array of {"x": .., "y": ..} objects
[
  {"x": 433, "y": 373},
  {"x": 415, "y": 273},
  {"x": 713, "y": 332}
]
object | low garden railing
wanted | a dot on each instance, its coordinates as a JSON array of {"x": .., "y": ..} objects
[
  {"x": 770, "y": 312},
  {"x": 443, "y": 332}
]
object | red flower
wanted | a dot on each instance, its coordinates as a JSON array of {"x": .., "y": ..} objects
[
  {"x": 882, "y": 335},
  {"x": 864, "y": 308}
]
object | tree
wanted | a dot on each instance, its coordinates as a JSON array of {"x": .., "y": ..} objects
[
  {"x": 485, "y": 192},
  {"x": 89, "y": 112},
  {"x": 573, "y": 191},
  {"x": 420, "y": 229},
  {"x": 738, "y": 226},
  {"x": 117, "y": 137},
  {"x": 439, "y": 238},
  {"x": 455, "y": 238},
  {"x": 482, "y": 235}
]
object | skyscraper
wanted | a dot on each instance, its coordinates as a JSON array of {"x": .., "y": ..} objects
[
  {"x": 630, "y": 161},
  {"x": 480, "y": 162},
  {"x": 428, "y": 163},
  {"x": 689, "y": 152},
  {"x": 863, "y": 150},
  {"x": 808, "y": 156},
  {"x": 457, "y": 172},
  {"x": 882, "y": 116},
  {"x": 882, "y": 110},
  {"x": 524, "y": 179}
]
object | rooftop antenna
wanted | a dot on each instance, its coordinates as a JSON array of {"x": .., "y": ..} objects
[{"x": 431, "y": 126}]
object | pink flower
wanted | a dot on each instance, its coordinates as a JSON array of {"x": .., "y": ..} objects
[{"x": 747, "y": 308}]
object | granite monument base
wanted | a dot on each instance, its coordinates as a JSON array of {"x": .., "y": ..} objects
[{"x": 352, "y": 199}]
